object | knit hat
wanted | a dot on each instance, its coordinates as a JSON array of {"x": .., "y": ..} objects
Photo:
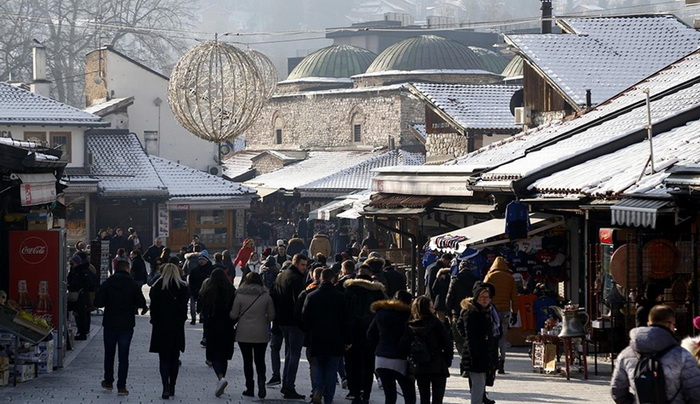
[
  {"x": 267, "y": 251},
  {"x": 481, "y": 286},
  {"x": 374, "y": 254},
  {"x": 205, "y": 254},
  {"x": 280, "y": 242},
  {"x": 696, "y": 322}
]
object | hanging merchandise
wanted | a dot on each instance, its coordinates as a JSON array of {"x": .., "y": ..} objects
[{"x": 517, "y": 220}]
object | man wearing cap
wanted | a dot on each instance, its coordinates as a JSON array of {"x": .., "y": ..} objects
[{"x": 506, "y": 301}]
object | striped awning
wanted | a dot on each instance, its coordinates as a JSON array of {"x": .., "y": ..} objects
[{"x": 635, "y": 212}]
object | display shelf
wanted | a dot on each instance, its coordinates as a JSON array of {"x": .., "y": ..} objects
[{"x": 21, "y": 328}]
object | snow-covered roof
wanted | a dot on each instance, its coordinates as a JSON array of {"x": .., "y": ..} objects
[
  {"x": 122, "y": 166},
  {"x": 360, "y": 176},
  {"x": 473, "y": 106},
  {"x": 425, "y": 72},
  {"x": 318, "y": 164},
  {"x": 107, "y": 107},
  {"x": 617, "y": 173},
  {"x": 341, "y": 91},
  {"x": 605, "y": 54},
  {"x": 183, "y": 181},
  {"x": 21, "y": 107},
  {"x": 676, "y": 75},
  {"x": 239, "y": 163}
]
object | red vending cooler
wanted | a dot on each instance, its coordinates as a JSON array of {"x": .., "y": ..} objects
[{"x": 37, "y": 278}]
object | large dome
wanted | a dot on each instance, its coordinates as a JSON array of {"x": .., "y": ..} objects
[
  {"x": 492, "y": 61},
  {"x": 426, "y": 52},
  {"x": 335, "y": 61}
]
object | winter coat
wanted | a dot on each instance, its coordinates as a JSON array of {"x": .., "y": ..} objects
[
  {"x": 252, "y": 267},
  {"x": 219, "y": 329},
  {"x": 288, "y": 286},
  {"x": 242, "y": 257},
  {"x": 138, "y": 269},
  {"x": 118, "y": 242},
  {"x": 460, "y": 288},
  {"x": 197, "y": 277},
  {"x": 439, "y": 342},
  {"x": 341, "y": 282},
  {"x": 325, "y": 319},
  {"x": 80, "y": 280},
  {"x": 296, "y": 246},
  {"x": 320, "y": 244},
  {"x": 388, "y": 327},
  {"x": 254, "y": 316},
  {"x": 502, "y": 279},
  {"x": 680, "y": 368},
  {"x": 152, "y": 254},
  {"x": 359, "y": 295},
  {"x": 269, "y": 272},
  {"x": 168, "y": 316},
  {"x": 299, "y": 307},
  {"x": 121, "y": 297},
  {"x": 480, "y": 349},
  {"x": 440, "y": 289},
  {"x": 281, "y": 259},
  {"x": 431, "y": 275},
  {"x": 395, "y": 281}
]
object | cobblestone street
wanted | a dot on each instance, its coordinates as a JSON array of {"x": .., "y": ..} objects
[{"x": 79, "y": 380}]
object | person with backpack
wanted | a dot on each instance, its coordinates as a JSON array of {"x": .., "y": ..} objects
[
  {"x": 430, "y": 351},
  {"x": 654, "y": 368},
  {"x": 461, "y": 286},
  {"x": 478, "y": 326}
]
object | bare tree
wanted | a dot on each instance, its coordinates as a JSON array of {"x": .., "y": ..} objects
[{"x": 147, "y": 30}]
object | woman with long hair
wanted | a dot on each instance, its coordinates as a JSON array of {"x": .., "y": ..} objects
[
  {"x": 168, "y": 315},
  {"x": 216, "y": 299},
  {"x": 155, "y": 272},
  {"x": 431, "y": 376},
  {"x": 253, "y": 310},
  {"x": 165, "y": 255}
]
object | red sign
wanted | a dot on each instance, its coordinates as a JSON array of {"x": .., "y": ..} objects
[{"x": 34, "y": 262}]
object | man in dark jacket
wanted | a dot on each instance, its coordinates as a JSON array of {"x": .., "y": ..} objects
[
  {"x": 324, "y": 318},
  {"x": 461, "y": 287},
  {"x": 432, "y": 271},
  {"x": 395, "y": 280},
  {"x": 360, "y": 293},
  {"x": 347, "y": 272},
  {"x": 121, "y": 297},
  {"x": 138, "y": 268},
  {"x": 117, "y": 242},
  {"x": 288, "y": 285},
  {"x": 153, "y": 252},
  {"x": 195, "y": 280},
  {"x": 80, "y": 280},
  {"x": 296, "y": 245}
]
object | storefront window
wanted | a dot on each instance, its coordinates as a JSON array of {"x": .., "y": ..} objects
[
  {"x": 178, "y": 220},
  {"x": 212, "y": 236},
  {"x": 211, "y": 217},
  {"x": 211, "y": 227},
  {"x": 75, "y": 219}
]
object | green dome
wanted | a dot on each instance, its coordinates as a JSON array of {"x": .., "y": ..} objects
[
  {"x": 492, "y": 61},
  {"x": 426, "y": 52},
  {"x": 514, "y": 69},
  {"x": 335, "y": 61}
]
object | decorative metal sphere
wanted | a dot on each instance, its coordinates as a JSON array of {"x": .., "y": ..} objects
[
  {"x": 267, "y": 71},
  {"x": 216, "y": 91}
]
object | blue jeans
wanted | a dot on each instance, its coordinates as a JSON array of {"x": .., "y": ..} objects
[
  {"x": 112, "y": 340},
  {"x": 324, "y": 376},
  {"x": 293, "y": 341}
]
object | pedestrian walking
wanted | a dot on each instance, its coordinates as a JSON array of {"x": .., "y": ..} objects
[
  {"x": 253, "y": 264},
  {"x": 480, "y": 331},
  {"x": 217, "y": 297},
  {"x": 243, "y": 255},
  {"x": 120, "y": 297},
  {"x": 295, "y": 245},
  {"x": 431, "y": 376},
  {"x": 168, "y": 315},
  {"x": 288, "y": 286},
  {"x": 324, "y": 318},
  {"x": 461, "y": 287},
  {"x": 228, "y": 262},
  {"x": 506, "y": 301},
  {"x": 195, "y": 280},
  {"x": 386, "y": 331},
  {"x": 80, "y": 285},
  {"x": 252, "y": 311},
  {"x": 153, "y": 252},
  {"x": 320, "y": 244},
  {"x": 138, "y": 268}
]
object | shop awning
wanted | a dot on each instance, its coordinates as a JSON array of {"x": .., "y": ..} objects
[
  {"x": 465, "y": 207},
  {"x": 329, "y": 211},
  {"x": 36, "y": 189},
  {"x": 352, "y": 213},
  {"x": 263, "y": 192},
  {"x": 489, "y": 233},
  {"x": 637, "y": 212}
]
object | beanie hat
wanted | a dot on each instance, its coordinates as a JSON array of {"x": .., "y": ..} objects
[
  {"x": 280, "y": 242},
  {"x": 205, "y": 254},
  {"x": 481, "y": 286},
  {"x": 267, "y": 251},
  {"x": 374, "y": 254},
  {"x": 696, "y": 322}
]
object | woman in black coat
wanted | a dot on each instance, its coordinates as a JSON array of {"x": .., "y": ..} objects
[
  {"x": 431, "y": 376},
  {"x": 168, "y": 316},
  {"x": 217, "y": 301},
  {"x": 478, "y": 325},
  {"x": 80, "y": 280}
]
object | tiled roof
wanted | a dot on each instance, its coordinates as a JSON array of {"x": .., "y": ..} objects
[
  {"x": 239, "y": 163},
  {"x": 606, "y": 54},
  {"x": 22, "y": 107},
  {"x": 617, "y": 173},
  {"x": 105, "y": 108},
  {"x": 684, "y": 71},
  {"x": 317, "y": 165},
  {"x": 183, "y": 181},
  {"x": 121, "y": 165},
  {"x": 473, "y": 106},
  {"x": 360, "y": 175}
]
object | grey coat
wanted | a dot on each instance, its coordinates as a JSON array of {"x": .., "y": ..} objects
[
  {"x": 254, "y": 325},
  {"x": 680, "y": 369}
]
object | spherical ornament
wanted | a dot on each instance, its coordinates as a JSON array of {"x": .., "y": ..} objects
[
  {"x": 267, "y": 71},
  {"x": 216, "y": 91}
]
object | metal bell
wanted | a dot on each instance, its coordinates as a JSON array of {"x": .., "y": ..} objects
[{"x": 574, "y": 324}]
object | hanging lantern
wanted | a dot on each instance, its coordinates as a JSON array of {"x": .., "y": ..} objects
[
  {"x": 216, "y": 91},
  {"x": 267, "y": 70}
]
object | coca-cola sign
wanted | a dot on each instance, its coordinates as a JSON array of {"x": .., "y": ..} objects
[{"x": 33, "y": 250}]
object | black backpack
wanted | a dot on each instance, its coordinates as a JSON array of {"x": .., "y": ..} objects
[
  {"x": 649, "y": 379},
  {"x": 419, "y": 353}
]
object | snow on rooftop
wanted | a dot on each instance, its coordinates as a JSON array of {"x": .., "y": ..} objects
[{"x": 183, "y": 181}]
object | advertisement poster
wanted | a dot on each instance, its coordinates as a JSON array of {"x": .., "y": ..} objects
[{"x": 35, "y": 271}]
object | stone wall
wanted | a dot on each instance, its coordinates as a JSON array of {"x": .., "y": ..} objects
[
  {"x": 267, "y": 164},
  {"x": 96, "y": 71},
  {"x": 325, "y": 119},
  {"x": 444, "y": 146}
]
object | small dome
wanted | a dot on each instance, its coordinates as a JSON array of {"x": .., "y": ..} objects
[
  {"x": 426, "y": 52},
  {"x": 335, "y": 61},
  {"x": 492, "y": 61},
  {"x": 514, "y": 70}
]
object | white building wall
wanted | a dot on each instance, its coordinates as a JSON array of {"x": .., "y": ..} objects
[
  {"x": 77, "y": 138},
  {"x": 124, "y": 79}
]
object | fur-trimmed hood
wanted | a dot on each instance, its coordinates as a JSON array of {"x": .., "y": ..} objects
[
  {"x": 320, "y": 235},
  {"x": 390, "y": 304},
  {"x": 365, "y": 284},
  {"x": 467, "y": 304},
  {"x": 251, "y": 289}
]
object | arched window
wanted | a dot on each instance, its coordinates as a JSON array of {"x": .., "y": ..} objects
[
  {"x": 278, "y": 129},
  {"x": 357, "y": 122}
]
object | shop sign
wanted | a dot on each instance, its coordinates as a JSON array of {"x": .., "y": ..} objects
[
  {"x": 33, "y": 250},
  {"x": 37, "y": 194},
  {"x": 163, "y": 221},
  {"x": 182, "y": 206},
  {"x": 5, "y": 133}
]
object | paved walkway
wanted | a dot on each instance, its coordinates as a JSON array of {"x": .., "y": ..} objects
[{"x": 79, "y": 380}]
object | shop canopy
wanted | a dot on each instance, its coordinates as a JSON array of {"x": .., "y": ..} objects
[
  {"x": 638, "y": 212},
  {"x": 489, "y": 233},
  {"x": 344, "y": 207}
]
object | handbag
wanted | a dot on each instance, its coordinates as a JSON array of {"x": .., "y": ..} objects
[{"x": 74, "y": 296}]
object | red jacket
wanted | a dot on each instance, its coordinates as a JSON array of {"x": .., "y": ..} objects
[{"x": 242, "y": 257}]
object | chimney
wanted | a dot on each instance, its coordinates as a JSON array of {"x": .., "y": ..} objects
[
  {"x": 391, "y": 143},
  {"x": 588, "y": 99},
  {"x": 39, "y": 85},
  {"x": 546, "y": 16}
]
